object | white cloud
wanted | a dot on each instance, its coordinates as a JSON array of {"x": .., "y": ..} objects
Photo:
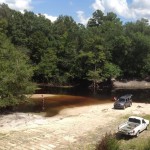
[
  {"x": 19, "y": 5},
  {"x": 141, "y": 4},
  {"x": 99, "y": 5},
  {"x": 52, "y": 18},
  {"x": 22, "y": 5},
  {"x": 141, "y": 8},
  {"x": 82, "y": 18},
  {"x": 136, "y": 10}
]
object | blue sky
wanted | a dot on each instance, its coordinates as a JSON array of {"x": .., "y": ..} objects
[
  {"x": 81, "y": 10},
  {"x": 63, "y": 7}
]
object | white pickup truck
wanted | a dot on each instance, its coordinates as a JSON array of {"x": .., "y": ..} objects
[{"x": 133, "y": 126}]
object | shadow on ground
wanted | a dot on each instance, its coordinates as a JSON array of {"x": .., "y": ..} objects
[{"x": 123, "y": 137}]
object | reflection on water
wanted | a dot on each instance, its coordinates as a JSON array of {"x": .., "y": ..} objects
[
  {"x": 76, "y": 91},
  {"x": 139, "y": 95}
]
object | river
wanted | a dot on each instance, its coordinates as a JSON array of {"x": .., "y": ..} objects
[
  {"x": 139, "y": 95},
  {"x": 62, "y": 98}
]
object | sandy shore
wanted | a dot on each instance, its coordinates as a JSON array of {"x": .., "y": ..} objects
[
  {"x": 66, "y": 128},
  {"x": 131, "y": 84},
  {"x": 90, "y": 117}
]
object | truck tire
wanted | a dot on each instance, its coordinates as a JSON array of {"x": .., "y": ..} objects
[
  {"x": 137, "y": 134},
  {"x": 146, "y": 127},
  {"x": 124, "y": 107}
]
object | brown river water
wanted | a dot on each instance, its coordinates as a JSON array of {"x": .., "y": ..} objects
[{"x": 62, "y": 98}]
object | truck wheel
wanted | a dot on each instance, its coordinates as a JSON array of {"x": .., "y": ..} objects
[
  {"x": 137, "y": 134},
  {"x": 124, "y": 107},
  {"x": 146, "y": 127}
]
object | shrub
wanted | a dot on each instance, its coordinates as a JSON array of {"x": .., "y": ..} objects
[{"x": 108, "y": 142}]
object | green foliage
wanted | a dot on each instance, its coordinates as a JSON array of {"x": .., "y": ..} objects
[
  {"x": 3, "y": 25},
  {"x": 146, "y": 117},
  {"x": 108, "y": 142},
  {"x": 64, "y": 51},
  {"x": 136, "y": 144},
  {"x": 47, "y": 68},
  {"x": 38, "y": 45},
  {"x": 66, "y": 42},
  {"x": 139, "y": 35},
  {"x": 97, "y": 19},
  {"x": 15, "y": 75},
  {"x": 111, "y": 71},
  {"x": 5, "y": 11},
  {"x": 94, "y": 75}
]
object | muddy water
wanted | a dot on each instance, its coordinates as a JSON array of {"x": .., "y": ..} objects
[
  {"x": 64, "y": 98},
  {"x": 51, "y": 105},
  {"x": 139, "y": 95}
]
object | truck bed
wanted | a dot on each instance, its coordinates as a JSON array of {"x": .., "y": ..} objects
[{"x": 129, "y": 126}]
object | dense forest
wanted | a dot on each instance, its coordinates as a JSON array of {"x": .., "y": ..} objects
[{"x": 34, "y": 49}]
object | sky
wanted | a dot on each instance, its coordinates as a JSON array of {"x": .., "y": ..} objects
[{"x": 81, "y": 10}]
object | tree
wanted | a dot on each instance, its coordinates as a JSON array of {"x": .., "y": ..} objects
[
  {"x": 47, "y": 68},
  {"x": 3, "y": 25},
  {"x": 5, "y": 11},
  {"x": 99, "y": 44},
  {"x": 16, "y": 29},
  {"x": 66, "y": 43},
  {"x": 122, "y": 52},
  {"x": 15, "y": 75},
  {"x": 38, "y": 45},
  {"x": 97, "y": 19},
  {"x": 139, "y": 35}
]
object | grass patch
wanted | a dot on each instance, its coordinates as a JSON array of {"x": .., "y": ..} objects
[
  {"x": 147, "y": 145},
  {"x": 138, "y": 144},
  {"x": 108, "y": 142},
  {"x": 143, "y": 116},
  {"x": 146, "y": 117}
]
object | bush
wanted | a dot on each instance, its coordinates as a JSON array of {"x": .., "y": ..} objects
[{"x": 108, "y": 142}]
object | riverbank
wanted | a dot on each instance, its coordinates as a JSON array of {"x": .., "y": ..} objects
[
  {"x": 131, "y": 84},
  {"x": 66, "y": 129},
  {"x": 18, "y": 121}
]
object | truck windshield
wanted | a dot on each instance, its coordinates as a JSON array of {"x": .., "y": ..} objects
[
  {"x": 121, "y": 100},
  {"x": 134, "y": 120}
]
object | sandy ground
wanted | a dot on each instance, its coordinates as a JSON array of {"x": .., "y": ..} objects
[
  {"x": 73, "y": 122},
  {"x": 88, "y": 116}
]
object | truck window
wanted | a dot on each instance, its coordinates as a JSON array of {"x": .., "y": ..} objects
[
  {"x": 121, "y": 100},
  {"x": 134, "y": 120}
]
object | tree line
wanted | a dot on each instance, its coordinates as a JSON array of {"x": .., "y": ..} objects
[{"x": 34, "y": 49}]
